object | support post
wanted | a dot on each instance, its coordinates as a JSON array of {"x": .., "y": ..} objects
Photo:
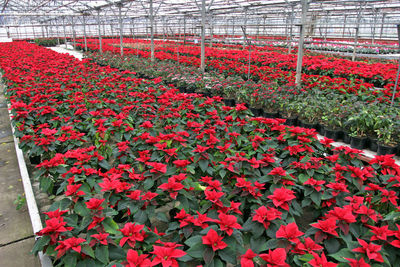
[
  {"x": 184, "y": 29},
  {"x": 73, "y": 32},
  {"x": 300, "y": 53},
  {"x": 120, "y": 29},
  {"x": 398, "y": 69},
  {"x": 203, "y": 26},
  {"x": 233, "y": 27},
  {"x": 264, "y": 27},
  {"x": 374, "y": 25},
  {"x": 58, "y": 34},
  {"x": 8, "y": 32},
  {"x": 152, "y": 30},
  {"x": 245, "y": 25},
  {"x": 99, "y": 28},
  {"x": 65, "y": 33},
  {"x": 211, "y": 29},
  {"x": 383, "y": 23},
  {"x": 84, "y": 31},
  {"x": 291, "y": 30},
  {"x": 353, "y": 57},
  {"x": 326, "y": 25}
]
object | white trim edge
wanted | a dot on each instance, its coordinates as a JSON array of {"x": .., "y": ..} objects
[{"x": 30, "y": 198}]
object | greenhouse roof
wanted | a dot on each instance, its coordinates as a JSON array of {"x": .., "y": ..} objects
[{"x": 134, "y": 8}]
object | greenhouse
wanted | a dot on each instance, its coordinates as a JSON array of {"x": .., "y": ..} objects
[{"x": 200, "y": 133}]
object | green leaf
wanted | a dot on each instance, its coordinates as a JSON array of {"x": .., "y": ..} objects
[
  {"x": 102, "y": 254},
  {"x": 110, "y": 226},
  {"x": 46, "y": 183},
  {"x": 40, "y": 244},
  {"x": 193, "y": 240},
  {"x": 196, "y": 251},
  {"x": 238, "y": 236},
  {"x": 116, "y": 253},
  {"x": 217, "y": 263},
  {"x": 104, "y": 164},
  {"x": 258, "y": 244},
  {"x": 303, "y": 178},
  {"x": 342, "y": 254},
  {"x": 208, "y": 255},
  {"x": 141, "y": 216},
  {"x": 148, "y": 183},
  {"x": 222, "y": 173},
  {"x": 203, "y": 165},
  {"x": 228, "y": 255},
  {"x": 332, "y": 245},
  {"x": 70, "y": 260},
  {"x": 81, "y": 209},
  {"x": 316, "y": 198},
  {"x": 88, "y": 250},
  {"x": 306, "y": 257},
  {"x": 162, "y": 217}
]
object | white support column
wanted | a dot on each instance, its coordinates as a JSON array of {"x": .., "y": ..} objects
[
  {"x": 374, "y": 25},
  {"x": 184, "y": 29},
  {"x": 203, "y": 26},
  {"x": 211, "y": 29},
  {"x": 120, "y": 29},
  {"x": 264, "y": 25},
  {"x": 353, "y": 57},
  {"x": 99, "y": 28},
  {"x": 42, "y": 27},
  {"x": 152, "y": 30},
  {"x": 245, "y": 25},
  {"x": 383, "y": 23},
  {"x": 73, "y": 32},
  {"x": 233, "y": 27},
  {"x": 65, "y": 33},
  {"x": 84, "y": 31},
  {"x": 300, "y": 53},
  {"x": 34, "y": 32},
  {"x": 291, "y": 30}
]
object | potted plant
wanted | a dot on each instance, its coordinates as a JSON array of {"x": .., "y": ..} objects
[
  {"x": 388, "y": 135},
  {"x": 360, "y": 125},
  {"x": 230, "y": 95}
]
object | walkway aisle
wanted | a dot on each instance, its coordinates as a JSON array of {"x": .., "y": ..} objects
[{"x": 16, "y": 236}]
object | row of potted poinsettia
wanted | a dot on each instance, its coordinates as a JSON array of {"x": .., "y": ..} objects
[
  {"x": 350, "y": 49},
  {"x": 360, "y": 120},
  {"x": 146, "y": 176},
  {"x": 263, "y": 63},
  {"x": 376, "y": 73}
]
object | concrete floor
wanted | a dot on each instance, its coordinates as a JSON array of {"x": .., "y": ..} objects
[
  {"x": 67, "y": 50},
  {"x": 16, "y": 236}
]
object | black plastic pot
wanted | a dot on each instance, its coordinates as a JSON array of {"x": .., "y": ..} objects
[
  {"x": 386, "y": 150},
  {"x": 308, "y": 125},
  {"x": 35, "y": 160},
  {"x": 230, "y": 102},
  {"x": 256, "y": 111},
  {"x": 292, "y": 121},
  {"x": 373, "y": 144},
  {"x": 272, "y": 115},
  {"x": 207, "y": 94},
  {"x": 359, "y": 142},
  {"x": 346, "y": 138},
  {"x": 333, "y": 134}
]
